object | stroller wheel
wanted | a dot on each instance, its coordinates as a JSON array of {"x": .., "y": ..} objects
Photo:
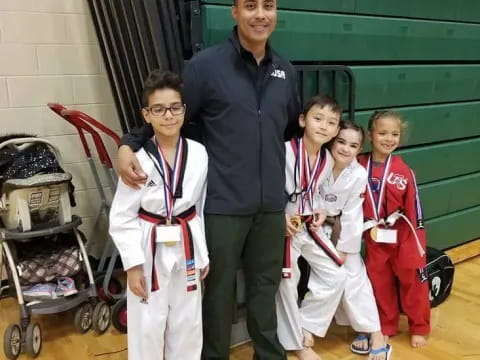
[
  {"x": 33, "y": 339},
  {"x": 119, "y": 315},
  {"x": 83, "y": 318},
  {"x": 114, "y": 287},
  {"x": 12, "y": 341},
  {"x": 101, "y": 317}
]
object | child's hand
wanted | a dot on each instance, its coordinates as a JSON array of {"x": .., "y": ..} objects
[
  {"x": 291, "y": 227},
  {"x": 319, "y": 217},
  {"x": 136, "y": 281},
  {"x": 204, "y": 272}
]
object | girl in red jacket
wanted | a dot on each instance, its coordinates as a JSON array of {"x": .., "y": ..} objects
[{"x": 394, "y": 232}]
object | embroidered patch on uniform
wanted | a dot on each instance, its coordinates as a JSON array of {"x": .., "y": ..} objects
[
  {"x": 330, "y": 197},
  {"x": 151, "y": 183}
]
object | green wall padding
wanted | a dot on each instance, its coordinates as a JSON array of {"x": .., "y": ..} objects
[
  {"x": 447, "y": 196},
  {"x": 312, "y": 5},
  {"x": 443, "y": 161},
  {"x": 302, "y": 35},
  {"x": 453, "y": 229},
  {"x": 466, "y": 10},
  {"x": 403, "y": 85},
  {"x": 435, "y": 123}
]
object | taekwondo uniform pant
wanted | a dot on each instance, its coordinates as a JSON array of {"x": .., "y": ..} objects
[
  {"x": 256, "y": 242},
  {"x": 357, "y": 307},
  {"x": 326, "y": 284},
  {"x": 169, "y": 325},
  {"x": 414, "y": 296}
]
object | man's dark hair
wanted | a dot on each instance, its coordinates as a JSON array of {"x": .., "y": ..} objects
[
  {"x": 322, "y": 100},
  {"x": 158, "y": 80}
]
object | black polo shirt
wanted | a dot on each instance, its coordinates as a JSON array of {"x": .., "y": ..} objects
[{"x": 242, "y": 110}]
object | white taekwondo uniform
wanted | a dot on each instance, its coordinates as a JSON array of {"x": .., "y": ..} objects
[
  {"x": 169, "y": 323},
  {"x": 327, "y": 275},
  {"x": 344, "y": 197}
]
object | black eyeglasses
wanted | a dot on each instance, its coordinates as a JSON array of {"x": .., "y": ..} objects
[{"x": 159, "y": 110}]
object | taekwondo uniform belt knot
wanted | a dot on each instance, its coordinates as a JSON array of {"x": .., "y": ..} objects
[
  {"x": 336, "y": 224},
  {"x": 181, "y": 219},
  {"x": 307, "y": 220},
  {"x": 390, "y": 221}
]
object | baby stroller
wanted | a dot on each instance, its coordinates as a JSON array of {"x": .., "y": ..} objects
[
  {"x": 40, "y": 242},
  {"x": 109, "y": 288}
]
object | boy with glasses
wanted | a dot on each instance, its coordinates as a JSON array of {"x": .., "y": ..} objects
[{"x": 158, "y": 231}]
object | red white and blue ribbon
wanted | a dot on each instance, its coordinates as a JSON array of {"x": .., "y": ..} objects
[
  {"x": 171, "y": 179},
  {"x": 377, "y": 203},
  {"x": 308, "y": 175}
]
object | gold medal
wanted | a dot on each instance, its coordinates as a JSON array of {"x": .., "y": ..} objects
[
  {"x": 373, "y": 233},
  {"x": 296, "y": 221},
  {"x": 170, "y": 243}
]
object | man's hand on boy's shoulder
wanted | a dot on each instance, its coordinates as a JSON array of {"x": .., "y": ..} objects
[{"x": 129, "y": 168}]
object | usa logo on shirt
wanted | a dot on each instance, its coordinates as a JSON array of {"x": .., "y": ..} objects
[
  {"x": 278, "y": 74},
  {"x": 398, "y": 180}
]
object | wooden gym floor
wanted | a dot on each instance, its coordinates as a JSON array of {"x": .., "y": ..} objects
[{"x": 455, "y": 334}]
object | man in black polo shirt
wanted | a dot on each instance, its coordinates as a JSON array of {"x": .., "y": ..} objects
[{"x": 242, "y": 96}]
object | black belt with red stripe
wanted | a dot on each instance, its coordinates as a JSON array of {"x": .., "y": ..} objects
[
  {"x": 182, "y": 220},
  {"x": 287, "y": 261}
]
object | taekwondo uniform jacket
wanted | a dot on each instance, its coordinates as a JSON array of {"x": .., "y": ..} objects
[
  {"x": 131, "y": 234},
  {"x": 344, "y": 197}
]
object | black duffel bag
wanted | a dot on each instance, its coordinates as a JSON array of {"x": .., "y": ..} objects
[{"x": 440, "y": 272}]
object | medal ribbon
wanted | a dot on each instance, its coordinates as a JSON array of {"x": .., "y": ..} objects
[
  {"x": 376, "y": 204},
  {"x": 308, "y": 176},
  {"x": 171, "y": 179}
]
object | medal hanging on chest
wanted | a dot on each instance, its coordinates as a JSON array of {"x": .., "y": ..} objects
[
  {"x": 170, "y": 233},
  {"x": 308, "y": 177},
  {"x": 376, "y": 191}
]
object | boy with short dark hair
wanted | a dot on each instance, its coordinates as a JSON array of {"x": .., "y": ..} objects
[
  {"x": 159, "y": 232},
  {"x": 308, "y": 165}
]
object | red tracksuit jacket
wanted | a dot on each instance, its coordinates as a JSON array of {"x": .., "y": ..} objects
[{"x": 401, "y": 193}]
